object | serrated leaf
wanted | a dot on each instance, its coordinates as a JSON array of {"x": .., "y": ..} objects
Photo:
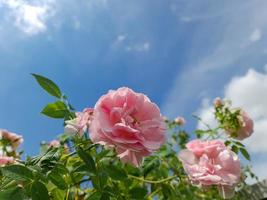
[
  {"x": 56, "y": 110},
  {"x": 39, "y": 191},
  {"x": 245, "y": 153},
  {"x": 17, "y": 172},
  {"x": 95, "y": 196},
  {"x": 105, "y": 196},
  {"x": 56, "y": 178},
  {"x": 58, "y": 194},
  {"x": 48, "y": 85},
  {"x": 115, "y": 172},
  {"x": 138, "y": 193},
  {"x": 87, "y": 158},
  {"x": 14, "y": 193}
]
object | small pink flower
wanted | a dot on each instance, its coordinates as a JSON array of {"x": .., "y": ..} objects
[
  {"x": 247, "y": 125},
  {"x": 54, "y": 143},
  {"x": 81, "y": 123},
  {"x": 180, "y": 121},
  {"x": 4, "y": 160},
  {"x": 130, "y": 123},
  {"x": 212, "y": 163},
  {"x": 217, "y": 102},
  {"x": 14, "y": 139}
]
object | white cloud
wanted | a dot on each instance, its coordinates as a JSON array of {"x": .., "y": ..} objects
[
  {"x": 206, "y": 113},
  {"x": 76, "y": 23},
  {"x": 142, "y": 47},
  {"x": 123, "y": 40},
  {"x": 260, "y": 169},
  {"x": 29, "y": 18},
  {"x": 120, "y": 38},
  {"x": 255, "y": 35},
  {"x": 186, "y": 19}
]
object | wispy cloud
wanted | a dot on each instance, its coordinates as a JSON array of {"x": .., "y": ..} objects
[
  {"x": 140, "y": 47},
  {"x": 29, "y": 18},
  {"x": 76, "y": 23},
  {"x": 120, "y": 39},
  {"x": 255, "y": 35},
  {"x": 131, "y": 45}
]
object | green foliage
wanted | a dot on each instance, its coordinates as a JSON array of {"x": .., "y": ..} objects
[
  {"x": 17, "y": 172},
  {"x": 39, "y": 191},
  {"x": 57, "y": 109},
  {"x": 48, "y": 85},
  {"x": 15, "y": 193},
  {"x": 79, "y": 170}
]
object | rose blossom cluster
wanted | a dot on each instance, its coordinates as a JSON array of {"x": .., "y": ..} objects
[
  {"x": 9, "y": 144},
  {"x": 128, "y": 122},
  {"x": 212, "y": 163},
  {"x": 81, "y": 123},
  {"x": 245, "y": 126}
]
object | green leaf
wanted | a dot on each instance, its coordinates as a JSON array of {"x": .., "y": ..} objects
[
  {"x": 55, "y": 110},
  {"x": 240, "y": 144},
  {"x": 48, "y": 85},
  {"x": 150, "y": 164},
  {"x": 235, "y": 149},
  {"x": 39, "y": 191},
  {"x": 58, "y": 194},
  {"x": 227, "y": 143},
  {"x": 245, "y": 153},
  {"x": 105, "y": 196},
  {"x": 200, "y": 133},
  {"x": 87, "y": 159},
  {"x": 99, "y": 181},
  {"x": 56, "y": 178},
  {"x": 138, "y": 193},
  {"x": 167, "y": 191},
  {"x": 17, "y": 172},
  {"x": 115, "y": 172},
  {"x": 14, "y": 193},
  {"x": 95, "y": 196}
]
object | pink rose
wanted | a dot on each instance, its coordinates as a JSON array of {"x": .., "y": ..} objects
[
  {"x": 54, "y": 143},
  {"x": 217, "y": 102},
  {"x": 212, "y": 163},
  {"x": 14, "y": 139},
  {"x": 130, "y": 123},
  {"x": 81, "y": 123},
  {"x": 246, "y": 126},
  {"x": 4, "y": 160},
  {"x": 180, "y": 121}
]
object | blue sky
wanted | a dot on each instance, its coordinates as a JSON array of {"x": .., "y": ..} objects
[{"x": 181, "y": 53}]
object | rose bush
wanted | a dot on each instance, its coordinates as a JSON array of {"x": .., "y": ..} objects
[{"x": 124, "y": 148}]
